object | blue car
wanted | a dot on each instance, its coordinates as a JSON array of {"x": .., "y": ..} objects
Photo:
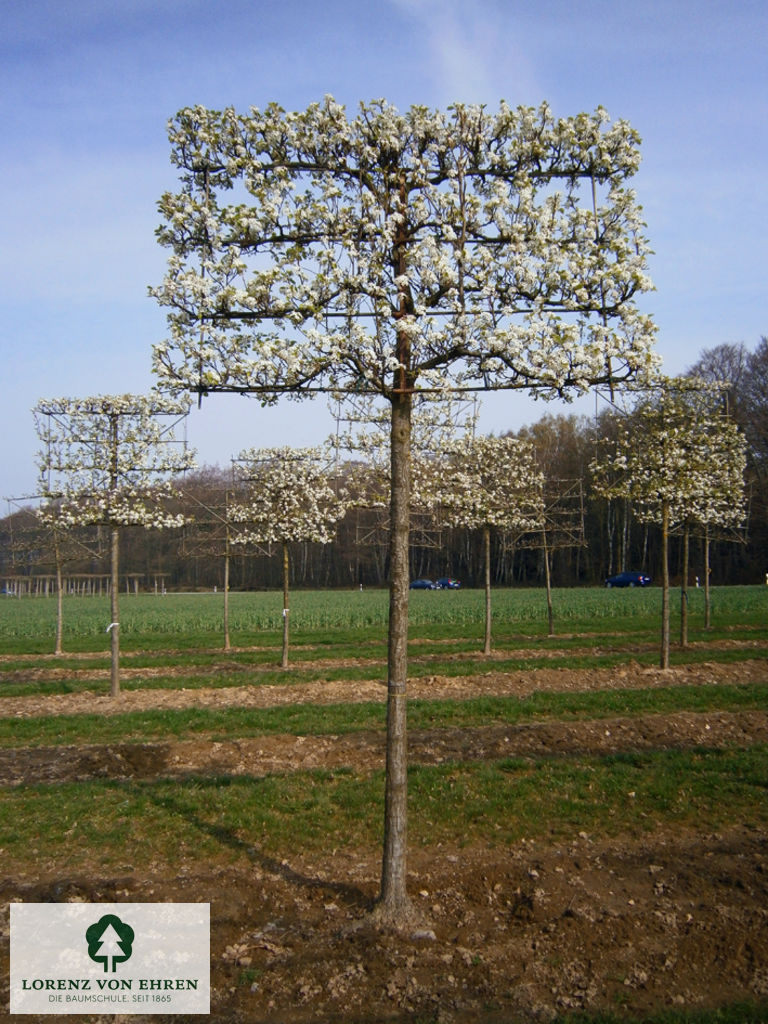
[
  {"x": 628, "y": 579},
  {"x": 448, "y": 583},
  {"x": 423, "y": 584}
]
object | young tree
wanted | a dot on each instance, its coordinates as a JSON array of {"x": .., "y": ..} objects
[
  {"x": 561, "y": 444},
  {"x": 66, "y": 544},
  {"x": 721, "y": 509},
  {"x": 669, "y": 460},
  {"x": 741, "y": 377},
  {"x": 494, "y": 483},
  {"x": 290, "y": 499},
  {"x": 106, "y": 460},
  {"x": 399, "y": 254},
  {"x": 562, "y": 527},
  {"x": 208, "y": 533}
]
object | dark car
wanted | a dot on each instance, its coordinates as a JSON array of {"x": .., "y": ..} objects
[
  {"x": 423, "y": 584},
  {"x": 448, "y": 583},
  {"x": 628, "y": 579}
]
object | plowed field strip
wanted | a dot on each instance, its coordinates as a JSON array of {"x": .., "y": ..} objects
[
  {"x": 48, "y": 671},
  {"x": 520, "y": 684},
  {"x": 364, "y": 752}
]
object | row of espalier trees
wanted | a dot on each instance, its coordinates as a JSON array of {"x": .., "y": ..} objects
[
  {"x": 676, "y": 456},
  {"x": 397, "y": 254},
  {"x": 458, "y": 480},
  {"x": 287, "y": 495},
  {"x": 114, "y": 461},
  {"x": 95, "y": 449}
]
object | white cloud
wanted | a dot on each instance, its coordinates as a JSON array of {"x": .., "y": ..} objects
[{"x": 477, "y": 55}]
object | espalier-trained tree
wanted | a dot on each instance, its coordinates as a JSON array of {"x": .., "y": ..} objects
[
  {"x": 436, "y": 423},
  {"x": 107, "y": 460},
  {"x": 290, "y": 499},
  {"x": 680, "y": 461},
  {"x": 66, "y": 544},
  {"x": 493, "y": 483},
  {"x": 742, "y": 377},
  {"x": 721, "y": 510},
  {"x": 208, "y": 532},
  {"x": 398, "y": 254}
]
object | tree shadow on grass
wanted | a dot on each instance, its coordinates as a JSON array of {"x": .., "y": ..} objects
[{"x": 226, "y": 836}]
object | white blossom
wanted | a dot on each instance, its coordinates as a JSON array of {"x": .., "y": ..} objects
[
  {"x": 492, "y": 482},
  {"x": 678, "y": 456},
  {"x": 290, "y": 497},
  {"x": 461, "y": 248},
  {"x": 107, "y": 459}
]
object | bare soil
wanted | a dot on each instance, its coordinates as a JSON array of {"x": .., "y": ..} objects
[{"x": 522, "y": 933}]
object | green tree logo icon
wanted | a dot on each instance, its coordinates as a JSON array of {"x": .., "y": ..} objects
[{"x": 110, "y": 941}]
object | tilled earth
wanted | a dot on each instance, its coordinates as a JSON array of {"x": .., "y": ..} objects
[{"x": 520, "y": 933}]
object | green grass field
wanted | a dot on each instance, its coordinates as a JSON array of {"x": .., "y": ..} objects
[
  {"x": 151, "y": 620},
  {"x": 171, "y": 642},
  {"x": 111, "y": 827}
]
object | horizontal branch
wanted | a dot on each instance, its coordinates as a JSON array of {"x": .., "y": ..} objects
[
  {"x": 545, "y": 307},
  {"x": 520, "y": 384}
]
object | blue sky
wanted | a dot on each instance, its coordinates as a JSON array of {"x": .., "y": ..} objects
[{"x": 87, "y": 86}]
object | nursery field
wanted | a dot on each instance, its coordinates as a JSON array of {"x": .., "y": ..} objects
[
  {"x": 588, "y": 833},
  {"x": 28, "y": 624}
]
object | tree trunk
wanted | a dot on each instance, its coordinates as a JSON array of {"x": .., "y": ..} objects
[
  {"x": 684, "y": 589},
  {"x": 59, "y": 599},
  {"x": 487, "y": 578},
  {"x": 286, "y": 581},
  {"x": 665, "y": 585},
  {"x": 707, "y": 596},
  {"x": 114, "y": 605},
  {"x": 114, "y": 560},
  {"x": 394, "y": 907},
  {"x": 610, "y": 527},
  {"x": 625, "y": 537},
  {"x": 226, "y": 591},
  {"x": 547, "y": 574}
]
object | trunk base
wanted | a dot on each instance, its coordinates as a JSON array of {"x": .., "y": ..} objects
[{"x": 396, "y": 917}]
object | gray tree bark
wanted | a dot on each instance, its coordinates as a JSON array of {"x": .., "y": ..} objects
[
  {"x": 664, "y": 662},
  {"x": 286, "y": 609},
  {"x": 394, "y": 906}
]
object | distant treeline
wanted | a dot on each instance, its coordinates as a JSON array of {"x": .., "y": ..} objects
[{"x": 588, "y": 537}]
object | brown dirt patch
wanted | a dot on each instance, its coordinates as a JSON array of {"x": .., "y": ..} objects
[
  {"x": 511, "y": 935},
  {"x": 491, "y": 683},
  {"x": 363, "y": 752}
]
